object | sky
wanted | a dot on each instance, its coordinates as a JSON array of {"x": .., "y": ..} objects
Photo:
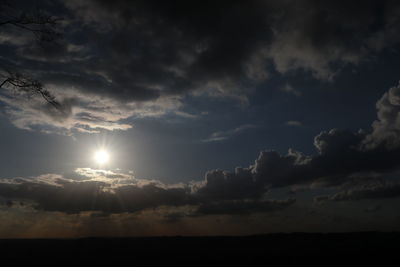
[{"x": 218, "y": 117}]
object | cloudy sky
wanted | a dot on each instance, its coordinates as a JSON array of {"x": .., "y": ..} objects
[{"x": 218, "y": 117}]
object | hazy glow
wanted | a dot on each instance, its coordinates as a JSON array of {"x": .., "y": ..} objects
[{"x": 101, "y": 157}]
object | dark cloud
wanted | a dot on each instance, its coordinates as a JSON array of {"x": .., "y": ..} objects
[
  {"x": 224, "y": 185},
  {"x": 74, "y": 197},
  {"x": 374, "y": 191},
  {"x": 342, "y": 156},
  {"x": 106, "y": 192},
  {"x": 269, "y": 170},
  {"x": 212, "y": 39},
  {"x": 124, "y": 55},
  {"x": 243, "y": 206},
  {"x": 224, "y": 38},
  {"x": 9, "y": 203},
  {"x": 374, "y": 208}
]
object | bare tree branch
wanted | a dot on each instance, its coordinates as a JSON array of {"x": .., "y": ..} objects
[
  {"x": 29, "y": 85},
  {"x": 43, "y": 26}
]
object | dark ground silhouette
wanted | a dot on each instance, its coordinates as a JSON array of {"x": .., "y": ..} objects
[{"x": 358, "y": 249}]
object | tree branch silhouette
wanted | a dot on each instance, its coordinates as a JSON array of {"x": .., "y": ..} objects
[
  {"x": 29, "y": 85},
  {"x": 43, "y": 28},
  {"x": 41, "y": 25}
]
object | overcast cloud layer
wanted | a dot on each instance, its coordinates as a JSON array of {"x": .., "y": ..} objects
[{"x": 129, "y": 59}]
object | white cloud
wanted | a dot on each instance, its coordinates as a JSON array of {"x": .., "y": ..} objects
[{"x": 80, "y": 112}]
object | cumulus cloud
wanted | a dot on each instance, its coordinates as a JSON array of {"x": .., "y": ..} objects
[
  {"x": 224, "y": 185},
  {"x": 342, "y": 156},
  {"x": 269, "y": 170},
  {"x": 110, "y": 192},
  {"x": 386, "y": 129},
  {"x": 103, "y": 191}
]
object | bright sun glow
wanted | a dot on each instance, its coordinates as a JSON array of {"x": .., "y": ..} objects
[{"x": 101, "y": 157}]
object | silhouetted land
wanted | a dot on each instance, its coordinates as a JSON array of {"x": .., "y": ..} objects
[{"x": 379, "y": 249}]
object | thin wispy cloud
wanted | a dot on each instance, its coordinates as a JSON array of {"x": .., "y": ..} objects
[
  {"x": 294, "y": 123},
  {"x": 224, "y": 135}
]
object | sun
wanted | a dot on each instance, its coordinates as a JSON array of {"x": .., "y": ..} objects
[{"x": 101, "y": 156}]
